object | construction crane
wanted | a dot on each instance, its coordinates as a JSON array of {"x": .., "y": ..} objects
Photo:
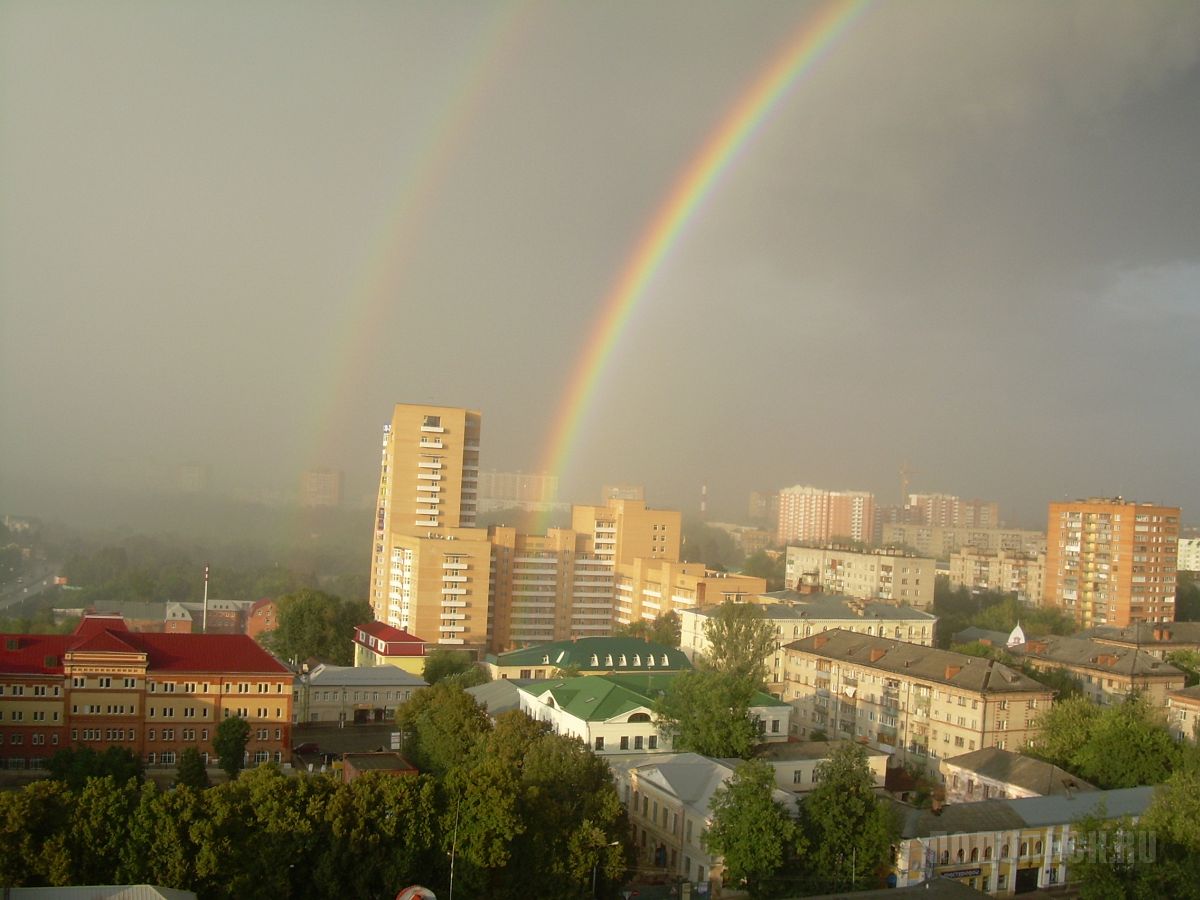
[{"x": 906, "y": 474}]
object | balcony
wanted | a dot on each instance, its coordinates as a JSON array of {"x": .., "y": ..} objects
[
  {"x": 454, "y": 566},
  {"x": 429, "y": 465},
  {"x": 431, "y": 443}
]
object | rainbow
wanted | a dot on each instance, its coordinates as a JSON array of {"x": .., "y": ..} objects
[
  {"x": 664, "y": 231},
  {"x": 373, "y": 295}
]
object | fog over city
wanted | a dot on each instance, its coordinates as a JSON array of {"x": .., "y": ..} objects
[{"x": 967, "y": 237}]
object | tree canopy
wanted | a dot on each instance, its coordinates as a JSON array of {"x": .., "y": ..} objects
[
  {"x": 443, "y": 662},
  {"x": 758, "y": 838},
  {"x": 441, "y": 725},
  {"x": 740, "y": 639},
  {"x": 191, "y": 771},
  {"x": 707, "y": 711},
  {"x": 1119, "y": 746},
  {"x": 230, "y": 743},
  {"x": 75, "y": 765},
  {"x": 313, "y": 624},
  {"x": 850, "y": 830},
  {"x": 663, "y": 630}
]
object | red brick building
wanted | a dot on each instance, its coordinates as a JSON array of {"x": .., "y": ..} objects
[{"x": 155, "y": 693}]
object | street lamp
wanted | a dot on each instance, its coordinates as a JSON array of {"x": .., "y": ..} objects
[{"x": 596, "y": 865}]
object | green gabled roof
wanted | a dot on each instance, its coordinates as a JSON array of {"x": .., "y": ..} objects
[
  {"x": 593, "y": 698},
  {"x": 579, "y": 653},
  {"x": 636, "y": 690}
]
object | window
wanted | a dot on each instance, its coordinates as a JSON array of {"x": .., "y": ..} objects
[
  {"x": 653, "y": 742},
  {"x": 637, "y": 742},
  {"x": 624, "y": 742},
  {"x": 105, "y": 681},
  {"x": 599, "y": 742}
]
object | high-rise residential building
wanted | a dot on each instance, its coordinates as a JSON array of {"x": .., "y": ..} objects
[
  {"x": 429, "y": 566},
  {"x": 868, "y": 575},
  {"x": 1112, "y": 561},
  {"x": 811, "y": 515},
  {"x": 322, "y": 487},
  {"x": 624, "y": 530},
  {"x": 949, "y": 511}
]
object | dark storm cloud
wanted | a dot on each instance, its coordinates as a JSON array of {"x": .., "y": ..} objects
[{"x": 966, "y": 238}]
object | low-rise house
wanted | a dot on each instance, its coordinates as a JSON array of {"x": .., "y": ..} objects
[
  {"x": 587, "y": 656},
  {"x": 1004, "y": 847},
  {"x": 614, "y": 714},
  {"x": 919, "y": 703},
  {"x": 352, "y": 695},
  {"x": 499, "y": 696},
  {"x": 797, "y": 614},
  {"x": 380, "y": 644},
  {"x": 262, "y": 617},
  {"x": 1107, "y": 673},
  {"x": 668, "y": 798},
  {"x": 795, "y": 763},
  {"x": 994, "y": 774}
]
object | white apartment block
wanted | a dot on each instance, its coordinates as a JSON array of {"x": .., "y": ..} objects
[
  {"x": 1189, "y": 554},
  {"x": 868, "y": 575},
  {"x": 810, "y": 514}
]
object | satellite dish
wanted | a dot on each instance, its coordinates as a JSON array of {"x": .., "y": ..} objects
[{"x": 416, "y": 892}]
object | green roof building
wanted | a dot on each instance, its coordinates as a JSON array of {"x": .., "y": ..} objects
[{"x": 587, "y": 656}]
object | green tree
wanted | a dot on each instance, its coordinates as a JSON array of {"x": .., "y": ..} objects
[
  {"x": 769, "y": 566},
  {"x": 441, "y": 663},
  {"x": 316, "y": 625},
  {"x": 191, "y": 771},
  {"x": 230, "y": 744},
  {"x": 740, "y": 638},
  {"x": 850, "y": 830},
  {"x": 100, "y": 828},
  {"x": 441, "y": 725},
  {"x": 663, "y": 630},
  {"x": 75, "y": 765},
  {"x": 707, "y": 711},
  {"x": 1187, "y": 661},
  {"x": 754, "y": 833},
  {"x": 33, "y": 825}
]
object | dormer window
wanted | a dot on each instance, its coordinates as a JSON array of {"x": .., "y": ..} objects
[
  {"x": 664, "y": 660},
  {"x": 546, "y": 659},
  {"x": 595, "y": 660},
  {"x": 637, "y": 659},
  {"x": 608, "y": 659},
  {"x": 650, "y": 660},
  {"x": 623, "y": 662}
]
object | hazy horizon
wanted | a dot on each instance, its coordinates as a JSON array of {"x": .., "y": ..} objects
[{"x": 968, "y": 238}]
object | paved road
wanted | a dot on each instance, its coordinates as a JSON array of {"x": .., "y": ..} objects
[{"x": 36, "y": 581}]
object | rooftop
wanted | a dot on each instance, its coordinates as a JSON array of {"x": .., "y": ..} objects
[
  {"x": 42, "y": 654},
  {"x": 781, "y": 751},
  {"x": 790, "y": 604},
  {"x": 1149, "y": 633},
  {"x": 969, "y": 673},
  {"x": 382, "y": 676},
  {"x": 1025, "y": 772},
  {"x": 596, "y": 654},
  {"x": 1003, "y": 815},
  {"x": 1116, "y": 659}
]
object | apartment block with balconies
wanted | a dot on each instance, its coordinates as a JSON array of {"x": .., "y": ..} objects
[{"x": 919, "y": 703}]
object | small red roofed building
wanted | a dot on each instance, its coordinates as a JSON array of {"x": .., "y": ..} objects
[
  {"x": 380, "y": 644},
  {"x": 153, "y": 693},
  {"x": 262, "y": 617}
]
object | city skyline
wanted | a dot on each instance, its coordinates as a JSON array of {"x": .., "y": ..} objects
[{"x": 960, "y": 238}]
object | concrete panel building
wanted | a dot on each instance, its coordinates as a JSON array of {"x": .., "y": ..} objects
[
  {"x": 1112, "y": 561},
  {"x": 1107, "y": 673},
  {"x": 1021, "y": 574},
  {"x": 941, "y": 541},
  {"x": 812, "y": 515},
  {"x": 649, "y": 588},
  {"x": 869, "y": 575}
]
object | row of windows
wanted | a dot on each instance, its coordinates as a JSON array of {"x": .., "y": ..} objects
[
  {"x": 651, "y": 742},
  {"x": 37, "y": 715},
  {"x": 17, "y": 738},
  {"x": 36, "y": 690}
]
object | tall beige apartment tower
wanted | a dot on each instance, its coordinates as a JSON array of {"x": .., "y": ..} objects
[
  {"x": 1112, "y": 561},
  {"x": 429, "y": 564}
]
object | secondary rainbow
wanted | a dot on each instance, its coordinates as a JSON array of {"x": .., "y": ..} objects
[{"x": 663, "y": 232}]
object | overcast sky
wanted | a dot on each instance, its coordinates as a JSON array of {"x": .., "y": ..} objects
[{"x": 968, "y": 237}]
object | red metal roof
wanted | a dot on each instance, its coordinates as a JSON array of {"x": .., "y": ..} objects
[
  {"x": 32, "y": 650},
  {"x": 166, "y": 652},
  {"x": 386, "y": 632}
]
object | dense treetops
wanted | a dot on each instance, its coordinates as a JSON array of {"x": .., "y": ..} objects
[{"x": 316, "y": 625}]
